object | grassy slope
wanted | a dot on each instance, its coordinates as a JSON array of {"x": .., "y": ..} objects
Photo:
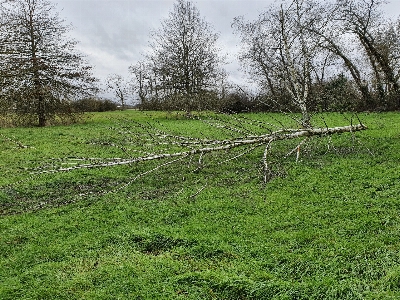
[{"x": 330, "y": 229}]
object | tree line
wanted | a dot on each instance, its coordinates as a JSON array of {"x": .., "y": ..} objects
[
  {"x": 339, "y": 54},
  {"x": 303, "y": 55}
]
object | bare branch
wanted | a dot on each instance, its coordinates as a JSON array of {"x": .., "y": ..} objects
[{"x": 223, "y": 145}]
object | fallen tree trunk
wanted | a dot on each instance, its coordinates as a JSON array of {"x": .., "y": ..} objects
[{"x": 222, "y": 145}]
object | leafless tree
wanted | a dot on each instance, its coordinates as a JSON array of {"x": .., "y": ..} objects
[
  {"x": 303, "y": 42},
  {"x": 359, "y": 26},
  {"x": 184, "y": 61},
  {"x": 144, "y": 80},
  {"x": 378, "y": 39},
  {"x": 153, "y": 144},
  {"x": 120, "y": 87},
  {"x": 40, "y": 67},
  {"x": 280, "y": 49},
  {"x": 336, "y": 40},
  {"x": 194, "y": 150}
]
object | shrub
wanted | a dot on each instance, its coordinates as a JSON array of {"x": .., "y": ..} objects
[{"x": 94, "y": 105}]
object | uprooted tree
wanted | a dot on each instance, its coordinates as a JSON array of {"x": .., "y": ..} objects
[{"x": 40, "y": 69}]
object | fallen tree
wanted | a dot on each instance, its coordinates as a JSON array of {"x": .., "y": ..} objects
[
  {"x": 207, "y": 146},
  {"x": 129, "y": 150}
]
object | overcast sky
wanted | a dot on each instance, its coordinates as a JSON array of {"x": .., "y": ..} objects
[{"x": 113, "y": 34}]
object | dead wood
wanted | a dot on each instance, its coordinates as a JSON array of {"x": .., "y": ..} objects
[{"x": 222, "y": 145}]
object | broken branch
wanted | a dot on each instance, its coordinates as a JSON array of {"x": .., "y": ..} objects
[{"x": 223, "y": 145}]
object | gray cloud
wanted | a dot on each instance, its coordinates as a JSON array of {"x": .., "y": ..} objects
[{"x": 114, "y": 34}]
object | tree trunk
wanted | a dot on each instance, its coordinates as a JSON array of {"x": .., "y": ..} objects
[
  {"x": 224, "y": 145},
  {"x": 41, "y": 113}
]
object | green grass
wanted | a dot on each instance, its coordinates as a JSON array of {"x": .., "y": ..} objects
[{"x": 329, "y": 228}]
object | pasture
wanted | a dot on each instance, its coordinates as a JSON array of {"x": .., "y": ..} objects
[{"x": 325, "y": 227}]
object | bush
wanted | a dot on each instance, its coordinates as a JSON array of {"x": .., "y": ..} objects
[
  {"x": 94, "y": 105},
  {"x": 337, "y": 94},
  {"x": 236, "y": 102},
  {"x": 206, "y": 100},
  {"x": 21, "y": 110}
]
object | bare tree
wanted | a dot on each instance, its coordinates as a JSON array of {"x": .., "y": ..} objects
[
  {"x": 333, "y": 38},
  {"x": 194, "y": 150},
  {"x": 364, "y": 19},
  {"x": 143, "y": 83},
  {"x": 120, "y": 87},
  {"x": 40, "y": 68},
  {"x": 184, "y": 57},
  {"x": 281, "y": 49},
  {"x": 303, "y": 42},
  {"x": 153, "y": 144}
]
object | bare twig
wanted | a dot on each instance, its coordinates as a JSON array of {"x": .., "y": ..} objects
[
  {"x": 198, "y": 191},
  {"x": 18, "y": 143},
  {"x": 241, "y": 154},
  {"x": 267, "y": 171},
  {"x": 297, "y": 148}
]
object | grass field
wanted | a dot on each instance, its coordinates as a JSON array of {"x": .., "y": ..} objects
[{"x": 327, "y": 228}]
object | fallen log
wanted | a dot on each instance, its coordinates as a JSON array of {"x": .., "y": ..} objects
[{"x": 222, "y": 145}]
